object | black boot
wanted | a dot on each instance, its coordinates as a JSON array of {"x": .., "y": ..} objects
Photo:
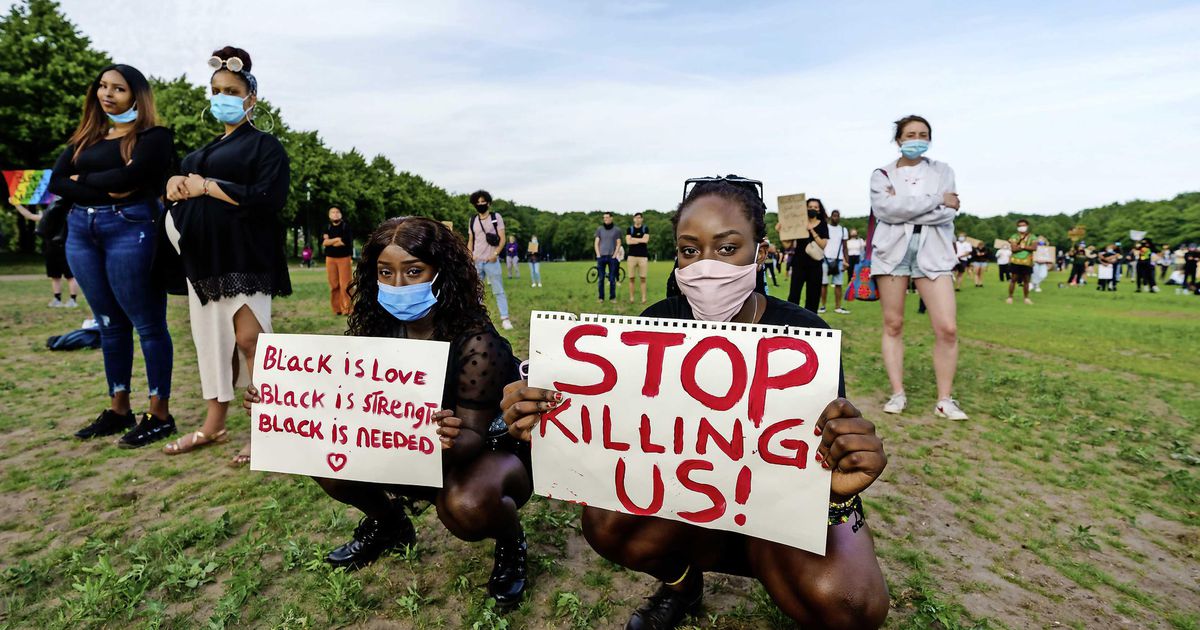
[
  {"x": 371, "y": 539},
  {"x": 507, "y": 584},
  {"x": 150, "y": 429},
  {"x": 667, "y": 607},
  {"x": 108, "y": 422}
]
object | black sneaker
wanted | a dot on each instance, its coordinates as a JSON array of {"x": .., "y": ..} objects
[
  {"x": 371, "y": 539},
  {"x": 150, "y": 429},
  {"x": 667, "y": 607},
  {"x": 108, "y": 422},
  {"x": 507, "y": 584}
]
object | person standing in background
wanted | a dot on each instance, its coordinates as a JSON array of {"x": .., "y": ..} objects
[
  {"x": 1040, "y": 269},
  {"x": 806, "y": 270},
  {"x": 1145, "y": 267},
  {"x": 485, "y": 239},
  {"x": 306, "y": 255},
  {"x": 962, "y": 251},
  {"x": 854, "y": 250},
  {"x": 772, "y": 264},
  {"x": 1191, "y": 258},
  {"x": 915, "y": 201},
  {"x": 339, "y": 247},
  {"x": 512, "y": 257},
  {"x": 979, "y": 262},
  {"x": 1105, "y": 271},
  {"x": 1078, "y": 264},
  {"x": 533, "y": 253},
  {"x": 607, "y": 264},
  {"x": 834, "y": 270},
  {"x": 638, "y": 237},
  {"x": 57, "y": 268},
  {"x": 1003, "y": 258},
  {"x": 1020, "y": 268},
  {"x": 1164, "y": 262},
  {"x": 113, "y": 171}
]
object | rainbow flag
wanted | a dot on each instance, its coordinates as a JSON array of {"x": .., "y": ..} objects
[{"x": 29, "y": 187}]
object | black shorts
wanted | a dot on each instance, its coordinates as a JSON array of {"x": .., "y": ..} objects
[
  {"x": 1020, "y": 273},
  {"x": 56, "y": 261}
]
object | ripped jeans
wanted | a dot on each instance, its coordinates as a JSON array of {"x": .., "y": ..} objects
[{"x": 111, "y": 249}]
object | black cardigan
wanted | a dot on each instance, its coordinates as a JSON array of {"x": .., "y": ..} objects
[{"x": 102, "y": 170}]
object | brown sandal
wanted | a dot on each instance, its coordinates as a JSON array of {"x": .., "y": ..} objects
[{"x": 199, "y": 440}]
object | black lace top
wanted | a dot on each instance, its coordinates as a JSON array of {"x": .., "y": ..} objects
[
  {"x": 230, "y": 250},
  {"x": 481, "y": 364}
]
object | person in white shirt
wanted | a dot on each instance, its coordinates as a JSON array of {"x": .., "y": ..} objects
[
  {"x": 836, "y": 262},
  {"x": 914, "y": 201},
  {"x": 854, "y": 249},
  {"x": 962, "y": 250},
  {"x": 1003, "y": 256}
]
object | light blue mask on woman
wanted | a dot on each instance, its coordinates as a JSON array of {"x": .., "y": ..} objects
[
  {"x": 408, "y": 303},
  {"x": 129, "y": 116},
  {"x": 227, "y": 108},
  {"x": 914, "y": 149}
]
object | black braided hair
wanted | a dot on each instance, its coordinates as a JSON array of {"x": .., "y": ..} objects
[{"x": 744, "y": 194}]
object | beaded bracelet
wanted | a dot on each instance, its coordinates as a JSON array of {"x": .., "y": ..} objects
[{"x": 840, "y": 512}]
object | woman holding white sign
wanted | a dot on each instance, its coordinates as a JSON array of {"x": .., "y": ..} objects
[
  {"x": 718, "y": 229},
  {"x": 914, "y": 202},
  {"x": 416, "y": 280}
]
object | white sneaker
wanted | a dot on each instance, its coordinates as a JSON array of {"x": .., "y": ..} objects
[
  {"x": 948, "y": 408},
  {"x": 539, "y": 285},
  {"x": 821, "y": 309},
  {"x": 505, "y": 324},
  {"x": 896, "y": 403},
  {"x": 533, "y": 284},
  {"x": 55, "y": 303},
  {"x": 841, "y": 311},
  {"x": 71, "y": 303}
]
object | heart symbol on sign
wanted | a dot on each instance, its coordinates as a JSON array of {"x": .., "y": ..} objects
[{"x": 336, "y": 461}]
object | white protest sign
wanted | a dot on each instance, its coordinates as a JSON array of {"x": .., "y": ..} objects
[
  {"x": 705, "y": 423},
  {"x": 348, "y": 408}
]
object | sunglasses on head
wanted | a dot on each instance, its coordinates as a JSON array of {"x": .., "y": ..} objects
[
  {"x": 733, "y": 179},
  {"x": 233, "y": 64}
]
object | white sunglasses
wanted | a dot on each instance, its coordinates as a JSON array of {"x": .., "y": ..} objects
[{"x": 233, "y": 64}]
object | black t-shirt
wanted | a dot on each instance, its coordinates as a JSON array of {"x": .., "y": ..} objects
[
  {"x": 102, "y": 170},
  {"x": 1190, "y": 259},
  {"x": 638, "y": 249},
  {"x": 979, "y": 254},
  {"x": 777, "y": 313},
  {"x": 342, "y": 231},
  {"x": 801, "y": 258}
]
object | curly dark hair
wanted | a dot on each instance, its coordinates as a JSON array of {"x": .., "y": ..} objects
[
  {"x": 743, "y": 194},
  {"x": 481, "y": 195},
  {"x": 460, "y": 307}
]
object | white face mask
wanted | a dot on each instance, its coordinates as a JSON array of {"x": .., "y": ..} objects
[{"x": 1022, "y": 229}]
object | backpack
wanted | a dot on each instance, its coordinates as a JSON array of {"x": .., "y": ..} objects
[
  {"x": 75, "y": 340},
  {"x": 861, "y": 285},
  {"x": 493, "y": 237}
]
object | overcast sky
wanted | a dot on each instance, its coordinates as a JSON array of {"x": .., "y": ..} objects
[{"x": 1040, "y": 107}]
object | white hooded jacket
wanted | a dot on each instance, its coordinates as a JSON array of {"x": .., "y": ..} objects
[{"x": 899, "y": 205}]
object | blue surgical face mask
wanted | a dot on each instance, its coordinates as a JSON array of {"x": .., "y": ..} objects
[
  {"x": 914, "y": 149},
  {"x": 129, "y": 116},
  {"x": 227, "y": 108},
  {"x": 408, "y": 303}
]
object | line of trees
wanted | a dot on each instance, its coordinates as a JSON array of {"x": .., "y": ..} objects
[{"x": 46, "y": 65}]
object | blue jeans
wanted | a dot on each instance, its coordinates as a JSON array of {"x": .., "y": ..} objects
[
  {"x": 535, "y": 272},
  {"x": 612, "y": 265},
  {"x": 490, "y": 271},
  {"x": 111, "y": 250}
]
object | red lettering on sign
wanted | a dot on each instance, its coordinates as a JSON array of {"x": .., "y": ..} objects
[
  {"x": 552, "y": 416},
  {"x": 733, "y": 448},
  {"x": 763, "y": 381},
  {"x": 606, "y": 430},
  {"x": 609, "y": 378},
  {"x": 708, "y": 514},
  {"x": 656, "y": 499},
  {"x": 656, "y": 346},
  {"x": 741, "y": 493},
  {"x": 737, "y": 385},
  {"x": 644, "y": 433},
  {"x": 799, "y": 448}
]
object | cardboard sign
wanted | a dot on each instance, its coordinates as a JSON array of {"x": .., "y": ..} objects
[
  {"x": 1001, "y": 244},
  {"x": 705, "y": 423},
  {"x": 793, "y": 216},
  {"x": 449, "y": 225},
  {"x": 1045, "y": 254},
  {"x": 28, "y": 188},
  {"x": 349, "y": 408}
]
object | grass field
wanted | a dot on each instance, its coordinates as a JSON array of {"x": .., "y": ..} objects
[{"x": 1070, "y": 499}]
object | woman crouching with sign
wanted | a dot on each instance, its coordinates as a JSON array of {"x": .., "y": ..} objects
[
  {"x": 416, "y": 281},
  {"x": 718, "y": 227}
]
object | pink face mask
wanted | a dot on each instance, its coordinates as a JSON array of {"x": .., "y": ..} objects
[{"x": 716, "y": 289}]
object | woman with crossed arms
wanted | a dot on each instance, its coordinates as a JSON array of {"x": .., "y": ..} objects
[{"x": 718, "y": 229}]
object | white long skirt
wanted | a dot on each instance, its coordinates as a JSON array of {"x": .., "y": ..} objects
[{"x": 214, "y": 336}]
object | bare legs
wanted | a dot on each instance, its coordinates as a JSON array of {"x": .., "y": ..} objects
[{"x": 939, "y": 300}]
